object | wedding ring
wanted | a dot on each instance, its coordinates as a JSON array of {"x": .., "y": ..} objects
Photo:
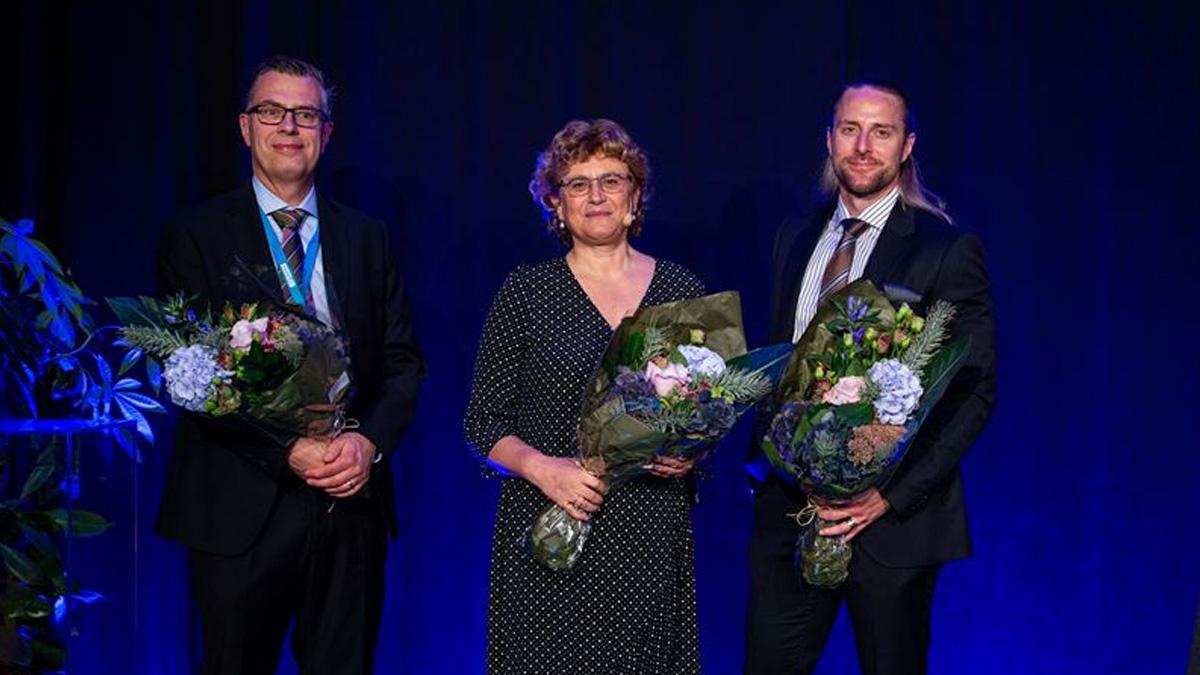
[
  {"x": 852, "y": 522},
  {"x": 350, "y": 483}
]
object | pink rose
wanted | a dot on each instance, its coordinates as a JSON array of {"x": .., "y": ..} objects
[
  {"x": 243, "y": 332},
  {"x": 847, "y": 390},
  {"x": 666, "y": 379}
]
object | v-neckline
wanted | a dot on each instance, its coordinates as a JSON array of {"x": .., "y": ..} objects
[{"x": 592, "y": 304}]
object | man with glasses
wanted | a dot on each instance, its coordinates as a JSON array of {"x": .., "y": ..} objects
[{"x": 294, "y": 528}]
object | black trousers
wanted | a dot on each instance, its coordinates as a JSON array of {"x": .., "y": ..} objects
[
  {"x": 323, "y": 568},
  {"x": 788, "y": 621}
]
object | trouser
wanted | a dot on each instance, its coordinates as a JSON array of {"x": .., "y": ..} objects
[
  {"x": 322, "y": 568},
  {"x": 788, "y": 621}
]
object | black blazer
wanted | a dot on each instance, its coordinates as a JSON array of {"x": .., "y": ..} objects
[
  {"x": 223, "y": 476},
  {"x": 928, "y": 520}
]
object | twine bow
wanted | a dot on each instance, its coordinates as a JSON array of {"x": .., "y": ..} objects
[{"x": 805, "y": 516}]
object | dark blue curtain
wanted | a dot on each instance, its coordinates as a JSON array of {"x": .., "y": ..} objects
[{"x": 1065, "y": 137}]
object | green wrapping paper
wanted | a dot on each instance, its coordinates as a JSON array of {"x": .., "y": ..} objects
[{"x": 615, "y": 444}]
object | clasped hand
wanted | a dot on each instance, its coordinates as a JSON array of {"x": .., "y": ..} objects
[{"x": 340, "y": 467}]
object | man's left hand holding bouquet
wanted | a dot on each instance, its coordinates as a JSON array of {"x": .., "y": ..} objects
[{"x": 855, "y": 515}]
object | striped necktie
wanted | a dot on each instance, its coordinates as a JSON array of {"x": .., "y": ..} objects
[
  {"x": 837, "y": 270},
  {"x": 289, "y": 221}
]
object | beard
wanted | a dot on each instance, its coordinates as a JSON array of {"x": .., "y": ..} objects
[{"x": 864, "y": 186}]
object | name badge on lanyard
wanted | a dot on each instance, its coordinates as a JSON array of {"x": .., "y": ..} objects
[{"x": 297, "y": 289}]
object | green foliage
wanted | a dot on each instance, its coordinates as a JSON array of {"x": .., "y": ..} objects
[
  {"x": 654, "y": 343},
  {"x": 930, "y": 340},
  {"x": 742, "y": 385},
  {"x": 56, "y": 363},
  {"x": 158, "y": 342},
  {"x": 854, "y": 415}
]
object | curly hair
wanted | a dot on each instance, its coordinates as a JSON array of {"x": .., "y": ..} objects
[{"x": 579, "y": 141}]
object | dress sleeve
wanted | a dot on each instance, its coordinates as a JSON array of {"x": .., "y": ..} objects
[{"x": 493, "y": 407}]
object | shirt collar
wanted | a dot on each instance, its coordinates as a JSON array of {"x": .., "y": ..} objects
[
  {"x": 875, "y": 215},
  {"x": 269, "y": 202}
]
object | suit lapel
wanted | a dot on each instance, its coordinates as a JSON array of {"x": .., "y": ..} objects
[
  {"x": 244, "y": 230},
  {"x": 335, "y": 247},
  {"x": 885, "y": 264}
]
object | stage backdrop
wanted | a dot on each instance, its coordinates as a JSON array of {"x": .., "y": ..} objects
[{"x": 1066, "y": 139}]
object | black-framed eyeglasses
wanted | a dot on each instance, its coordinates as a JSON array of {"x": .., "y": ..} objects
[
  {"x": 272, "y": 114},
  {"x": 610, "y": 183}
]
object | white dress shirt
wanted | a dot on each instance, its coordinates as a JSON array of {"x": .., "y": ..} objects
[{"x": 875, "y": 216}]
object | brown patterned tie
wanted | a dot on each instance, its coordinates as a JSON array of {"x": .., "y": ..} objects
[
  {"x": 837, "y": 270},
  {"x": 289, "y": 221}
]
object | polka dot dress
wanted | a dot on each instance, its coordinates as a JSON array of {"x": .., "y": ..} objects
[{"x": 629, "y": 604}]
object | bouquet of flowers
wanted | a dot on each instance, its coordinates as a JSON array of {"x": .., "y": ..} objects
[
  {"x": 282, "y": 371},
  {"x": 673, "y": 381},
  {"x": 862, "y": 379}
]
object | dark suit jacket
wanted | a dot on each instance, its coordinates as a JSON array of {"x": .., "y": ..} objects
[
  {"x": 927, "y": 523},
  {"x": 223, "y": 476}
]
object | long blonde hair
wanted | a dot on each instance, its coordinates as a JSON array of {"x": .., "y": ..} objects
[{"x": 912, "y": 191}]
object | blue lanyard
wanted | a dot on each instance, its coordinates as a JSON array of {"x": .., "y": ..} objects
[{"x": 297, "y": 291}]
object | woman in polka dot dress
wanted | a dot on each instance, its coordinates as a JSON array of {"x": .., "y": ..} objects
[{"x": 629, "y": 604}]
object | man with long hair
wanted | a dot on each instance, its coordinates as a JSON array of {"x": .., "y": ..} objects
[{"x": 882, "y": 224}]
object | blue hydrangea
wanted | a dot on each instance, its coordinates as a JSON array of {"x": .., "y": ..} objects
[
  {"x": 718, "y": 415},
  {"x": 702, "y": 360},
  {"x": 190, "y": 375},
  {"x": 899, "y": 391},
  {"x": 782, "y": 428}
]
